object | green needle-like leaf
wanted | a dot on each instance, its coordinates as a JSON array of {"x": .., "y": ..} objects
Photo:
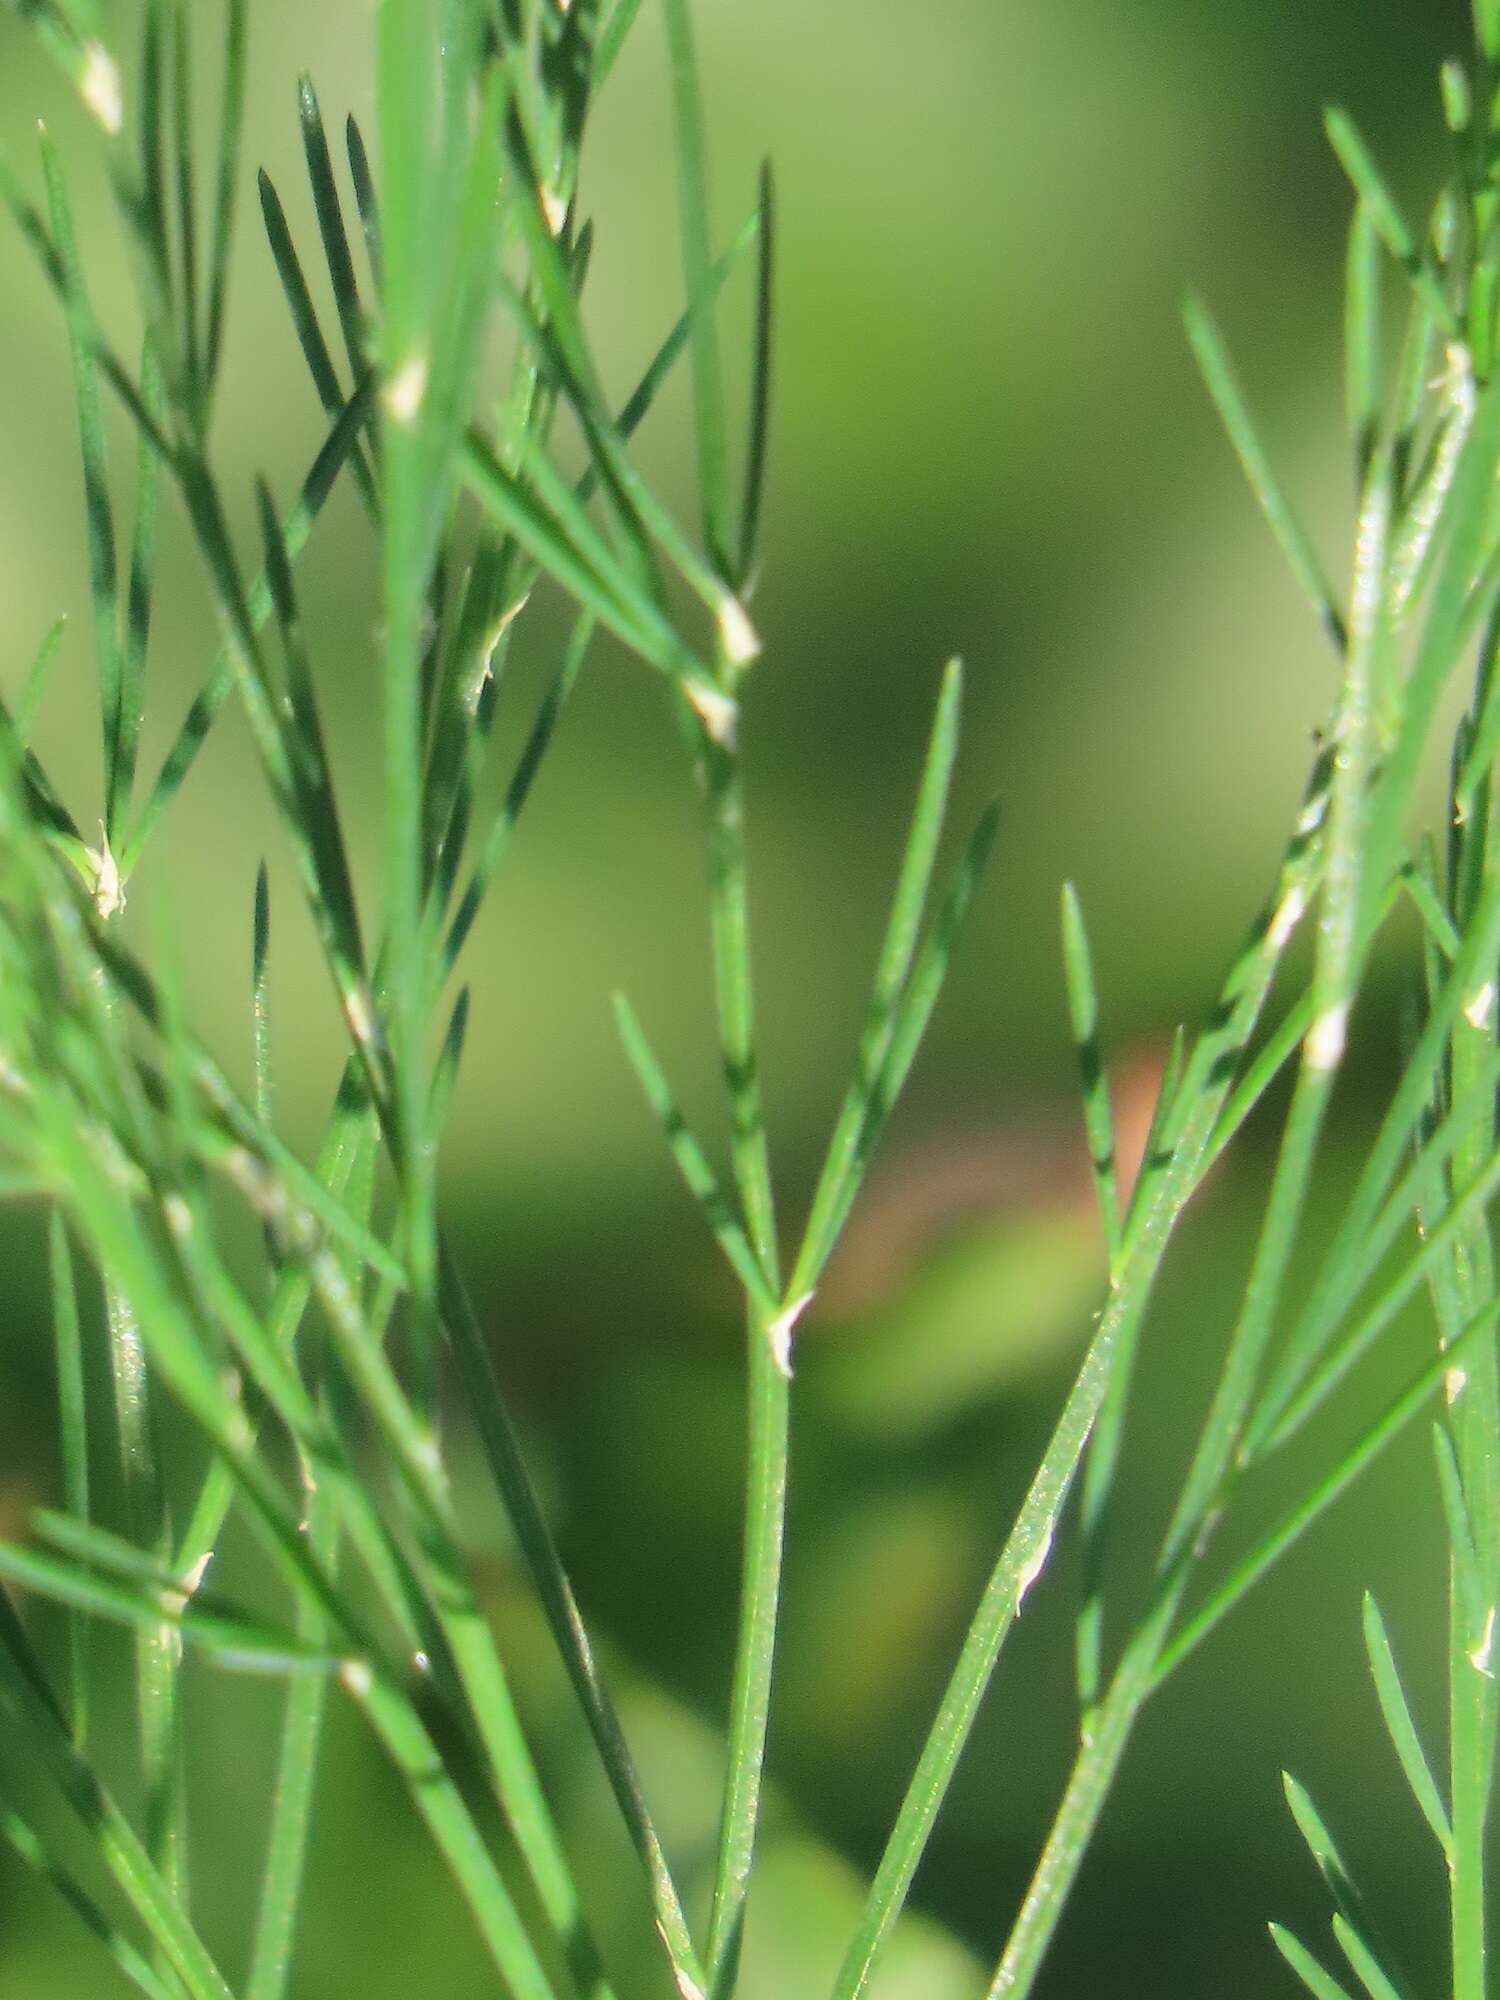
[
  {"x": 497, "y": 839},
  {"x": 143, "y": 201},
  {"x": 291, "y": 755},
  {"x": 103, "y": 566},
  {"x": 697, "y": 259},
  {"x": 217, "y": 687},
  {"x": 1322, "y": 1985},
  {"x": 1083, "y": 1012},
  {"x": 412, "y": 1750},
  {"x": 1158, "y": 1156},
  {"x": 1353, "y": 1919},
  {"x": 1372, "y": 1975},
  {"x": 1386, "y": 217},
  {"x": 445, "y": 1076},
  {"x": 636, "y": 405},
  {"x": 1270, "y": 1061},
  {"x": 640, "y": 516},
  {"x": 184, "y": 181},
  {"x": 1367, "y": 1228},
  {"x": 1362, "y": 385},
  {"x": 41, "y": 1859},
  {"x": 37, "y": 677},
  {"x": 1104, "y": 1448},
  {"x": 305, "y": 322},
  {"x": 311, "y": 773},
  {"x": 54, "y": 268},
  {"x": 718, "y": 1211},
  {"x": 1418, "y": 885},
  {"x": 1295, "y": 1523},
  {"x": 1403, "y": 1730},
  {"x": 364, "y": 193},
  {"x": 613, "y": 598},
  {"x": 760, "y": 383},
  {"x": 508, "y": 1467},
  {"x": 914, "y": 1012},
  {"x": 286, "y": 1853},
  {"x": 331, "y": 227},
  {"x": 1387, "y": 1304},
  {"x": 138, "y": 605},
  {"x": 1468, "y": 1573},
  {"x": 412, "y": 1447},
  {"x": 230, "y": 126},
  {"x": 100, "y": 1549},
  {"x": 229, "y": 1637},
  {"x": 618, "y": 22},
  {"x": 1218, "y": 375},
  {"x": 260, "y": 1007},
  {"x": 627, "y": 569},
  {"x": 26, "y": 1701},
  {"x": 849, "y": 1146}
]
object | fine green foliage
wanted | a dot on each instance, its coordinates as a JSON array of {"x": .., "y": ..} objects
[{"x": 310, "y": 1383}]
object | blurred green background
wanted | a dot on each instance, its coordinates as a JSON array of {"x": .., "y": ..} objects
[{"x": 989, "y": 440}]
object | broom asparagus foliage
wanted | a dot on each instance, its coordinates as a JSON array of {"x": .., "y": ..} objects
[{"x": 312, "y": 1383}]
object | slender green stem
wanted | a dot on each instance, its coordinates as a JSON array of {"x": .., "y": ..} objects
[
  {"x": 1251, "y": 1567},
  {"x": 37, "y": 1855},
  {"x": 296, "y": 1776},
  {"x": 307, "y": 1695},
  {"x": 1106, "y": 1734},
  {"x": 1341, "y": 943},
  {"x": 1022, "y": 1560},
  {"x": 708, "y": 386},
  {"x": 396, "y": 1723},
  {"x": 157, "y": 1650},
  {"x": 407, "y": 95},
  {"x": 768, "y": 1421},
  {"x": 1158, "y": 1202},
  {"x": 1107, "y": 1728},
  {"x": 1474, "y": 1418},
  {"x": 73, "y": 1429},
  {"x": 465, "y": 1631},
  {"x": 24, "y": 1697},
  {"x": 768, "y": 1401}
]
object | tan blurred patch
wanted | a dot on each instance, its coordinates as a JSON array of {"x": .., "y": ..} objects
[
  {"x": 1037, "y": 1165},
  {"x": 17, "y": 1498}
]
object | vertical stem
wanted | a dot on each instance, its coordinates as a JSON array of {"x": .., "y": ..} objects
[
  {"x": 1021, "y": 1561},
  {"x": 519, "y": 1788},
  {"x": 1343, "y": 939},
  {"x": 1471, "y": 1711},
  {"x": 1098, "y": 1760},
  {"x": 1159, "y": 1200},
  {"x": 352, "y": 1166},
  {"x": 73, "y": 1425},
  {"x": 1107, "y": 1728},
  {"x": 730, "y": 914},
  {"x": 750, "y": 1703},
  {"x": 1474, "y": 1416},
  {"x": 768, "y": 1398},
  {"x": 416, "y": 1756},
  {"x": 296, "y": 1775},
  {"x": 157, "y": 1651},
  {"x": 407, "y": 86}
]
